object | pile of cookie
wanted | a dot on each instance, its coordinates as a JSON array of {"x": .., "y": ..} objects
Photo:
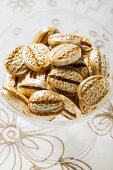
[{"x": 59, "y": 73}]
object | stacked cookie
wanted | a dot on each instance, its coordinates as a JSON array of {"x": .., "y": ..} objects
[{"x": 59, "y": 73}]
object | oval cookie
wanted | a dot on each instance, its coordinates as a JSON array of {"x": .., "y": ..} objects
[
  {"x": 64, "y": 54},
  {"x": 42, "y": 36},
  {"x": 15, "y": 64},
  {"x": 28, "y": 86},
  {"x": 99, "y": 63},
  {"x": 63, "y": 38},
  {"x": 92, "y": 90},
  {"x": 35, "y": 57},
  {"x": 45, "y": 103},
  {"x": 64, "y": 80}
]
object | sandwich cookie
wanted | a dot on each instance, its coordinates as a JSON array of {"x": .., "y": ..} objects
[
  {"x": 64, "y": 54},
  {"x": 48, "y": 103},
  {"x": 71, "y": 110},
  {"x": 64, "y": 80},
  {"x": 42, "y": 36},
  {"x": 16, "y": 94},
  {"x": 63, "y": 38},
  {"x": 15, "y": 64},
  {"x": 35, "y": 57},
  {"x": 45, "y": 103},
  {"x": 99, "y": 63},
  {"x": 14, "y": 82},
  {"x": 12, "y": 88},
  {"x": 93, "y": 89},
  {"x": 28, "y": 86}
]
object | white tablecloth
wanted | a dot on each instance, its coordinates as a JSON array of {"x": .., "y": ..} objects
[{"x": 18, "y": 139}]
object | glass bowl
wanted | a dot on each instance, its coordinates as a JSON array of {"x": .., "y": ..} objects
[{"x": 22, "y": 32}]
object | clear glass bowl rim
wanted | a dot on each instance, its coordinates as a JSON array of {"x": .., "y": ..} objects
[{"x": 59, "y": 124}]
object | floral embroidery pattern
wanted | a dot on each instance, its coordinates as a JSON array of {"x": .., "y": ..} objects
[
  {"x": 83, "y": 6},
  {"x": 100, "y": 40},
  {"x": 68, "y": 163},
  {"x": 21, "y": 5},
  {"x": 36, "y": 147},
  {"x": 71, "y": 163},
  {"x": 102, "y": 123}
]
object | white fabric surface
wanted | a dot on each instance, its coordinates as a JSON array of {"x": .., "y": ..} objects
[{"x": 17, "y": 138}]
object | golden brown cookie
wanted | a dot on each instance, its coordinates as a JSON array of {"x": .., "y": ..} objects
[
  {"x": 12, "y": 88},
  {"x": 93, "y": 89},
  {"x": 13, "y": 82},
  {"x": 42, "y": 36},
  {"x": 16, "y": 94},
  {"x": 35, "y": 57},
  {"x": 36, "y": 75},
  {"x": 45, "y": 103},
  {"x": 64, "y": 54},
  {"x": 71, "y": 110},
  {"x": 99, "y": 63},
  {"x": 28, "y": 86},
  {"x": 31, "y": 74},
  {"x": 15, "y": 64},
  {"x": 63, "y": 38},
  {"x": 64, "y": 80}
]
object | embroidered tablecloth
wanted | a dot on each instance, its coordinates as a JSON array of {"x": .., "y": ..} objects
[{"x": 27, "y": 147}]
